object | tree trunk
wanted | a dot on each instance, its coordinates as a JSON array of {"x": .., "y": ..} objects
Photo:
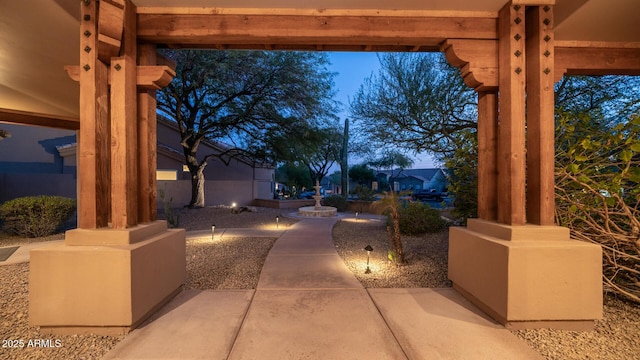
[
  {"x": 344, "y": 166},
  {"x": 396, "y": 237},
  {"x": 197, "y": 188}
]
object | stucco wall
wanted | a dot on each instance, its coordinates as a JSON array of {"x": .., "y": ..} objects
[
  {"x": 18, "y": 185},
  {"x": 31, "y": 165},
  {"x": 216, "y": 192},
  {"x": 32, "y": 149}
]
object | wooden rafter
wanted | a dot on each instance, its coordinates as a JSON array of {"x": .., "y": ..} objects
[{"x": 46, "y": 120}]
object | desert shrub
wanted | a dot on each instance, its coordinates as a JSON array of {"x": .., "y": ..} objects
[
  {"x": 598, "y": 193},
  {"x": 336, "y": 201},
  {"x": 35, "y": 216},
  {"x": 364, "y": 193},
  {"x": 173, "y": 220},
  {"x": 418, "y": 218}
]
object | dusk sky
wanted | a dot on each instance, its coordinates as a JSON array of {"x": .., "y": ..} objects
[{"x": 352, "y": 69}]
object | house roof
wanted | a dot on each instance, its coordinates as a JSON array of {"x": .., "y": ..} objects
[
  {"x": 39, "y": 38},
  {"x": 421, "y": 174},
  {"x": 215, "y": 145}
]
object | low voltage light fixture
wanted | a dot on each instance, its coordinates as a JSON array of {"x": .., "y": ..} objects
[
  {"x": 369, "y": 249},
  {"x": 356, "y": 216},
  {"x": 277, "y": 221},
  {"x": 213, "y": 228}
]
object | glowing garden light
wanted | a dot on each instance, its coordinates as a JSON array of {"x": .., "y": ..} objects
[{"x": 369, "y": 250}]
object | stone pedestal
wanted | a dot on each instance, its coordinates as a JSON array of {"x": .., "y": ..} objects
[
  {"x": 527, "y": 276},
  {"x": 107, "y": 284}
]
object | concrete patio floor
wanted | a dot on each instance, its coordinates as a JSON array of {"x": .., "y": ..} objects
[{"x": 308, "y": 305}]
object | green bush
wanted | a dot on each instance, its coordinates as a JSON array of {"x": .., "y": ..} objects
[
  {"x": 418, "y": 218},
  {"x": 35, "y": 216},
  {"x": 364, "y": 193},
  {"x": 336, "y": 201}
]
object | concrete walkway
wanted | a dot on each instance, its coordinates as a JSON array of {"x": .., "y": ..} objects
[
  {"x": 22, "y": 254},
  {"x": 308, "y": 305}
]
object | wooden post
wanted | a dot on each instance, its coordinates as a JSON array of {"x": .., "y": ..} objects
[
  {"x": 147, "y": 143},
  {"x": 124, "y": 151},
  {"x": 93, "y": 137},
  {"x": 511, "y": 139},
  {"x": 487, "y": 164},
  {"x": 540, "y": 116}
]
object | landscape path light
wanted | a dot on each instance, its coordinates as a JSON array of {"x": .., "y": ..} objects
[
  {"x": 356, "y": 216},
  {"x": 369, "y": 250},
  {"x": 277, "y": 221},
  {"x": 213, "y": 228}
]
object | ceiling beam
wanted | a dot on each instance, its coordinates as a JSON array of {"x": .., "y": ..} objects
[
  {"x": 350, "y": 32},
  {"x": 596, "y": 61},
  {"x": 46, "y": 120}
]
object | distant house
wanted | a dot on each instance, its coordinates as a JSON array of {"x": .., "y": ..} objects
[
  {"x": 42, "y": 161},
  {"x": 413, "y": 179}
]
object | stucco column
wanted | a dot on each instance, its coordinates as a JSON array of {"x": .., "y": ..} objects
[{"x": 521, "y": 269}]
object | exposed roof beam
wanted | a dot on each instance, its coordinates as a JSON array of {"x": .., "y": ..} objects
[
  {"x": 30, "y": 118},
  {"x": 295, "y": 31}
]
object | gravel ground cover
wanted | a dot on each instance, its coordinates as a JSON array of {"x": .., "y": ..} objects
[
  {"x": 425, "y": 256},
  {"x": 236, "y": 264}
]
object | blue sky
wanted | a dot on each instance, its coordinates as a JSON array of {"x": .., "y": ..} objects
[{"x": 352, "y": 68}]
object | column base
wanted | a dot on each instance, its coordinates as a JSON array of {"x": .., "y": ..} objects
[
  {"x": 527, "y": 276},
  {"x": 102, "y": 289}
]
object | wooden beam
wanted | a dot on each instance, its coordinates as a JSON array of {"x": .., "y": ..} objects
[
  {"x": 487, "y": 156},
  {"x": 147, "y": 143},
  {"x": 596, "y": 61},
  {"x": 356, "y": 31},
  {"x": 36, "y": 119},
  {"x": 148, "y": 77},
  {"x": 94, "y": 136},
  {"x": 540, "y": 116},
  {"x": 511, "y": 138},
  {"x": 124, "y": 138}
]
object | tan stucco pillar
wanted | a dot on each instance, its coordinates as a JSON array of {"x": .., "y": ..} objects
[
  {"x": 109, "y": 276},
  {"x": 513, "y": 262}
]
